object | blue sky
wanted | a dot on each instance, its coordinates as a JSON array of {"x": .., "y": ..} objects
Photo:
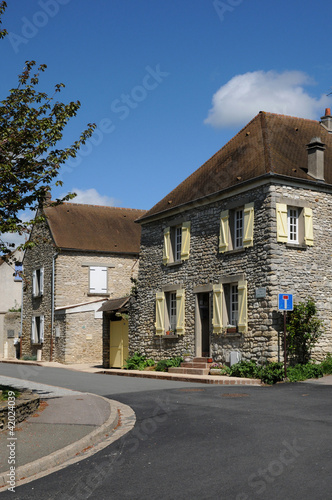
[{"x": 168, "y": 83}]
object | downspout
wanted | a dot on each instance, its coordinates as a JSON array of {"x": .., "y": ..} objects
[{"x": 52, "y": 301}]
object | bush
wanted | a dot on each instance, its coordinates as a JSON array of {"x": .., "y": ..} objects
[
  {"x": 272, "y": 373},
  {"x": 138, "y": 362},
  {"x": 164, "y": 364},
  {"x": 245, "y": 369},
  {"x": 326, "y": 365},
  {"x": 303, "y": 372},
  {"x": 28, "y": 357}
]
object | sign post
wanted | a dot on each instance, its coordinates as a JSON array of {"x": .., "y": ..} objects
[{"x": 285, "y": 303}]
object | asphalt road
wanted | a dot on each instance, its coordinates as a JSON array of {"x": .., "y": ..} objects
[{"x": 193, "y": 441}]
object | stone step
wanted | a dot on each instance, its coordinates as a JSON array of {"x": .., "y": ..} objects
[
  {"x": 201, "y": 360},
  {"x": 194, "y": 364},
  {"x": 189, "y": 371}
]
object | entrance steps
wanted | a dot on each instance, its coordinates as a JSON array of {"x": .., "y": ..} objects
[{"x": 198, "y": 366}]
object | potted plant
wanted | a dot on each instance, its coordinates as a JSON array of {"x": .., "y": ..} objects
[
  {"x": 219, "y": 369},
  {"x": 231, "y": 329}
]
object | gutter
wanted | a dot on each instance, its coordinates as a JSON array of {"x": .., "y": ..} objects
[{"x": 52, "y": 303}]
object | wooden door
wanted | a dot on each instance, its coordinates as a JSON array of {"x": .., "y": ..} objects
[{"x": 118, "y": 343}]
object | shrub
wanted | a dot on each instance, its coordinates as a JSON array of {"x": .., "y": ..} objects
[
  {"x": 138, "y": 362},
  {"x": 304, "y": 330},
  {"x": 28, "y": 357},
  {"x": 272, "y": 373},
  {"x": 246, "y": 369},
  {"x": 303, "y": 372},
  {"x": 164, "y": 364},
  {"x": 326, "y": 365}
]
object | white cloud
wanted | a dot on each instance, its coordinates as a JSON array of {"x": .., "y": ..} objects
[
  {"x": 240, "y": 99},
  {"x": 92, "y": 197}
]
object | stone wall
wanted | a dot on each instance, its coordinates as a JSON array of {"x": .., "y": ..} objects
[
  {"x": 12, "y": 330},
  {"x": 277, "y": 267}
]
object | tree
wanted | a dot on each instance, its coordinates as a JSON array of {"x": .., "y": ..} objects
[
  {"x": 304, "y": 330},
  {"x": 31, "y": 125}
]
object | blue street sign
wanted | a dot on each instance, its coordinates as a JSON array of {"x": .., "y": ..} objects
[{"x": 285, "y": 302}]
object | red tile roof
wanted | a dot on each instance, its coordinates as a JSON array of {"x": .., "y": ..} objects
[
  {"x": 95, "y": 228},
  {"x": 268, "y": 144}
]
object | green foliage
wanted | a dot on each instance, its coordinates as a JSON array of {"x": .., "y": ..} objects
[
  {"x": 28, "y": 357},
  {"x": 326, "y": 365},
  {"x": 303, "y": 331},
  {"x": 164, "y": 364},
  {"x": 303, "y": 372},
  {"x": 245, "y": 369},
  {"x": 31, "y": 125},
  {"x": 271, "y": 373},
  {"x": 138, "y": 362},
  {"x": 4, "y": 389}
]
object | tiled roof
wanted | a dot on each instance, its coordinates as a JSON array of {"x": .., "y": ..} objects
[
  {"x": 95, "y": 228},
  {"x": 270, "y": 143}
]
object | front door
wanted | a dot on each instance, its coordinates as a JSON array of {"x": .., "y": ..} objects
[
  {"x": 118, "y": 343},
  {"x": 204, "y": 323}
]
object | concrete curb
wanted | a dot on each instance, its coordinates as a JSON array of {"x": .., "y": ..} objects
[
  {"x": 121, "y": 416},
  {"x": 202, "y": 379}
]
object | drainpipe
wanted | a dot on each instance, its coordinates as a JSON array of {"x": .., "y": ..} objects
[{"x": 52, "y": 300}]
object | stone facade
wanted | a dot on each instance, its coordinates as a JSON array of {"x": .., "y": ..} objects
[
  {"x": 268, "y": 265},
  {"x": 72, "y": 323}
]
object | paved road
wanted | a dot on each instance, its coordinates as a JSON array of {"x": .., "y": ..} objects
[{"x": 200, "y": 442}]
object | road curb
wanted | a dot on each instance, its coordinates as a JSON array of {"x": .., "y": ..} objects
[{"x": 121, "y": 416}]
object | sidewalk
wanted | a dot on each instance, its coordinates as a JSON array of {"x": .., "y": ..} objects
[{"x": 69, "y": 426}]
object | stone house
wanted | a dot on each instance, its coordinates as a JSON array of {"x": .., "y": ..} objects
[
  {"x": 84, "y": 255},
  {"x": 10, "y": 303},
  {"x": 252, "y": 222}
]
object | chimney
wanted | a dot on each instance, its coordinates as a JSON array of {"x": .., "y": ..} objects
[
  {"x": 326, "y": 120},
  {"x": 315, "y": 150}
]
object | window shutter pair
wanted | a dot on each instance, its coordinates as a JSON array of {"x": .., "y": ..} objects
[
  {"x": 180, "y": 312},
  {"x": 34, "y": 332},
  {"x": 217, "y": 320},
  {"x": 185, "y": 243},
  {"x": 248, "y": 228},
  {"x": 282, "y": 224},
  {"x": 98, "y": 279},
  {"x": 38, "y": 282}
]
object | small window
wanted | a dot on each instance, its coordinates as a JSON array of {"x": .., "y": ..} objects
[
  {"x": 38, "y": 282},
  {"x": 176, "y": 243},
  {"x": 37, "y": 329},
  {"x": 18, "y": 271},
  {"x": 170, "y": 311},
  {"x": 293, "y": 225},
  {"x": 230, "y": 307},
  {"x": 98, "y": 280},
  {"x": 236, "y": 228}
]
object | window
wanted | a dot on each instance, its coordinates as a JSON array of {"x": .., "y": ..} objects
[
  {"x": 294, "y": 225},
  {"x": 176, "y": 243},
  {"x": 170, "y": 312},
  {"x": 236, "y": 228},
  {"x": 37, "y": 329},
  {"x": 98, "y": 280},
  {"x": 230, "y": 306},
  {"x": 38, "y": 282}
]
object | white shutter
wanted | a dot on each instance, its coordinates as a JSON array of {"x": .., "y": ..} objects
[
  {"x": 34, "y": 283},
  {"x": 180, "y": 312},
  {"x": 282, "y": 224},
  {"x": 308, "y": 226},
  {"x": 242, "y": 294},
  {"x": 248, "y": 235},
  {"x": 41, "y": 281},
  {"x": 98, "y": 279},
  {"x": 217, "y": 308},
  {"x": 160, "y": 313},
  {"x": 33, "y": 330},
  {"x": 41, "y": 329}
]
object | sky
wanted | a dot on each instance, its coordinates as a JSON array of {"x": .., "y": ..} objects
[{"x": 167, "y": 83}]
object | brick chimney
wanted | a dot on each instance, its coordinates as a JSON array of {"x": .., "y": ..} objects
[
  {"x": 326, "y": 120},
  {"x": 315, "y": 150}
]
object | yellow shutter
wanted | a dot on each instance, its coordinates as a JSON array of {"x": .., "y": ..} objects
[
  {"x": 185, "y": 241},
  {"x": 282, "y": 226},
  {"x": 160, "y": 313},
  {"x": 224, "y": 230},
  {"x": 242, "y": 296},
  {"x": 217, "y": 308},
  {"x": 308, "y": 227},
  {"x": 180, "y": 312},
  {"x": 167, "y": 242},
  {"x": 248, "y": 235}
]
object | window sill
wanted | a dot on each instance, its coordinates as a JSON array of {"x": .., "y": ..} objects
[
  {"x": 173, "y": 264},
  {"x": 298, "y": 246},
  {"x": 98, "y": 294},
  {"x": 234, "y": 251},
  {"x": 169, "y": 336}
]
